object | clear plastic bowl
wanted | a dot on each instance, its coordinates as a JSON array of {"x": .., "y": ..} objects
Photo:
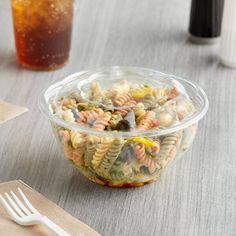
[{"x": 124, "y": 170}]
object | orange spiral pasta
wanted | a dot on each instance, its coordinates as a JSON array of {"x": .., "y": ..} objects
[
  {"x": 122, "y": 99},
  {"x": 79, "y": 148},
  {"x": 74, "y": 154},
  {"x": 65, "y": 135},
  {"x": 102, "y": 121},
  {"x": 67, "y": 148},
  {"x": 78, "y": 156},
  {"x": 147, "y": 122},
  {"x": 143, "y": 159},
  {"x": 174, "y": 92},
  {"x": 139, "y": 110},
  {"x": 98, "y": 110},
  {"x": 156, "y": 148},
  {"x": 68, "y": 103},
  {"x": 68, "y": 151},
  {"x": 89, "y": 116},
  {"x": 125, "y": 111}
]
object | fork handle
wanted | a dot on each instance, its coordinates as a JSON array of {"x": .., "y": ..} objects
[{"x": 53, "y": 227}]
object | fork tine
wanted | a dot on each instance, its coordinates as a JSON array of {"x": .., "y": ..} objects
[
  {"x": 14, "y": 206},
  {"x": 27, "y": 201},
  {"x": 20, "y": 204},
  {"x": 10, "y": 211}
]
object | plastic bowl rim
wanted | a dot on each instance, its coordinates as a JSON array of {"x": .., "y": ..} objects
[{"x": 44, "y": 107}]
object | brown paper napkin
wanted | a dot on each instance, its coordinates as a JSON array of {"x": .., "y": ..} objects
[
  {"x": 45, "y": 207},
  {"x": 9, "y": 111}
]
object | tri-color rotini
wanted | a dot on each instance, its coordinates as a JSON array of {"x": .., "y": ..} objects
[
  {"x": 111, "y": 155},
  {"x": 124, "y": 107}
]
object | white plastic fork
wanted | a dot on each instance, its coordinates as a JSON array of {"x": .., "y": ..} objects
[{"x": 28, "y": 216}]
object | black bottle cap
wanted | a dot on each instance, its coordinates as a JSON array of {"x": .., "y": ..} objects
[{"x": 206, "y": 18}]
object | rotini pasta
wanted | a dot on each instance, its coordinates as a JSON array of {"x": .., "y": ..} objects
[
  {"x": 119, "y": 177},
  {"x": 184, "y": 108},
  {"x": 114, "y": 121},
  {"x": 117, "y": 89},
  {"x": 139, "y": 110},
  {"x": 77, "y": 139},
  {"x": 89, "y": 116},
  {"x": 119, "y": 172},
  {"x": 112, "y": 143},
  {"x": 161, "y": 95},
  {"x": 95, "y": 92},
  {"x": 76, "y": 96},
  {"x": 122, "y": 99},
  {"x": 111, "y": 155},
  {"x": 174, "y": 92},
  {"x": 127, "y": 108},
  {"x": 149, "y": 102},
  {"x": 107, "y": 104},
  {"x": 69, "y": 103},
  {"x": 169, "y": 146},
  {"x": 125, "y": 167},
  {"x": 102, "y": 121},
  {"x": 147, "y": 122},
  {"x": 188, "y": 137},
  {"x": 100, "y": 152},
  {"x": 68, "y": 150},
  {"x": 144, "y": 159},
  {"x": 77, "y": 156},
  {"x": 156, "y": 148},
  {"x": 90, "y": 151}
]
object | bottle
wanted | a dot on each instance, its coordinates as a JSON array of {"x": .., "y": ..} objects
[
  {"x": 205, "y": 20},
  {"x": 228, "y": 40}
]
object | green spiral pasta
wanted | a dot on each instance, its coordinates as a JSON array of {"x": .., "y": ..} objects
[
  {"x": 149, "y": 101},
  {"x": 107, "y": 104},
  {"x": 115, "y": 120},
  {"x": 118, "y": 177},
  {"x": 125, "y": 167},
  {"x": 169, "y": 146},
  {"x": 111, "y": 155},
  {"x": 119, "y": 172}
]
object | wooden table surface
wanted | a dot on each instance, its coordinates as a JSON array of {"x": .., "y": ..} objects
[{"x": 196, "y": 196}]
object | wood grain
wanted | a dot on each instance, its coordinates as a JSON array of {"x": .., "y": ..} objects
[{"x": 196, "y": 196}]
